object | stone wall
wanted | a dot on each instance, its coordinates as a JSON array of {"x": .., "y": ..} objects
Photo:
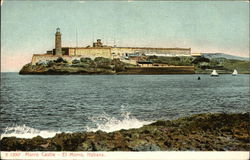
[
  {"x": 124, "y": 51},
  {"x": 42, "y": 57},
  {"x": 119, "y": 52},
  {"x": 48, "y": 57},
  {"x": 111, "y": 52},
  {"x": 91, "y": 52}
]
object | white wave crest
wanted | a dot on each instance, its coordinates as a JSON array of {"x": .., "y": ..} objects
[
  {"x": 26, "y": 132},
  {"x": 103, "y": 122},
  {"x": 107, "y": 123}
]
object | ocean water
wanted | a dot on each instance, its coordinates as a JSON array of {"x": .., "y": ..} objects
[{"x": 44, "y": 105}]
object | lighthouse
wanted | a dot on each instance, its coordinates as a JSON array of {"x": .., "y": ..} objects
[{"x": 58, "y": 42}]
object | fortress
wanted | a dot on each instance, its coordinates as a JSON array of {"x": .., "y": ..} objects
[{"x": 100, "y": 50}]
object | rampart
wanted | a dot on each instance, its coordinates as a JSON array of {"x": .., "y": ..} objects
[
  {"x": 119, "y": 52},
  {"x": 48, "y": 57},
  {"x": 70, "y": 53},
  {"x": 90, "y": 52},
  {"x": 122, "y": 51}
]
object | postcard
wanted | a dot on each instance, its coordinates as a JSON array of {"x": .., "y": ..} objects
[{"x": 124, "y": 80}]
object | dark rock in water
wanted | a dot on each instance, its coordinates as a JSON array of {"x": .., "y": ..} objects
[{"x": 201, "y": 132}]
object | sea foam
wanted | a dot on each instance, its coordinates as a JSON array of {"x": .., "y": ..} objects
[
  {"x": 108, "y": 123},
  {"x": 24, "y": 131},
  {"x": 102, "y": 122}
]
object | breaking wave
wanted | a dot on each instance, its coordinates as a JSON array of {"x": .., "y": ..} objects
[
  {"x": 102, "y": 122},
  {"x": 108, "y": 123},
  {"x": 26, "y": 132}
]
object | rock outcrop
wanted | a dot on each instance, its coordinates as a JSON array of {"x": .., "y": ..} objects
[
  {"x": 202, "y": 132},
  {"x": 83, "y": 66},
  {"x": 98, "y": 66}
]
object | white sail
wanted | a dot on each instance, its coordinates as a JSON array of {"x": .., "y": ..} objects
[
  {"x": 214, "y": 73},
  {"x": 235, "y": 72}
]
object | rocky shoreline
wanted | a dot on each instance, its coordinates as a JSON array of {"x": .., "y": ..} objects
[
  {"x": 106, "y": 66},
  {"x": 201, "y": 132},
  {"x": 84, "y": 66},
  {"x": 100, "y": 66}
]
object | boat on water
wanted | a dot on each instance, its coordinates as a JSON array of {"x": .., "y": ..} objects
[
  {"x": 235, "y": 73},
  {"x": 214, "y": 74}
]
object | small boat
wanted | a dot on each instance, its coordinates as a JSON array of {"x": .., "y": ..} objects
[
  {"x": 214, "y": 74},
  {"x": 234, "y": 73}
]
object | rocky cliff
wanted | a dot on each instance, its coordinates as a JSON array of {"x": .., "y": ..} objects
[
  {"x": 99, "y": 65},
  {"x": 83, "y": 66},
  {"x": 202, "y": 132}
]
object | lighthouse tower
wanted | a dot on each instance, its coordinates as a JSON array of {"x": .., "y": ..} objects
[{"x": 58, "y": 42}]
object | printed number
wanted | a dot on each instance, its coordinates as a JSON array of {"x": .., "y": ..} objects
[{"x": 15, "y": 154}]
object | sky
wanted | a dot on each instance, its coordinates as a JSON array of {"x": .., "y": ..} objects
[{"x": 28, "y": 27}]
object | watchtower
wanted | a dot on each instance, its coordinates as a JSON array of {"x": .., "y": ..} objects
[
  {"x": 98, "y": 43},
  {"x": 58, "y": 42}
]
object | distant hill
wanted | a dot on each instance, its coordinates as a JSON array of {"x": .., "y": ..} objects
[{"x": 223, "y": 55}]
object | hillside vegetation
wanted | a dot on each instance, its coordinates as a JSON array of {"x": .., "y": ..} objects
[
  {"x": 102, "y": 65},
  {"x": 82, "y": 66},
  {"x": 205, "y": 65}
]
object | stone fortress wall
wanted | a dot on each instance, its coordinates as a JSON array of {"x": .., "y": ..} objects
[
  {"x": 48, "y": 57},
  {"x": 100, "y": 50},
  {"x": 43, "y": 58},
  {"x": 119, "y": 52},
  {"x": 110, "y": 52},
  {"x": 90, "y": 52},
  {"x": 124, "y": 51}
]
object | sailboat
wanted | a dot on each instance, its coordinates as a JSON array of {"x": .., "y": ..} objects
[
  {"x": 235, "y": 72},
  {"x": 214, "y": 73}
]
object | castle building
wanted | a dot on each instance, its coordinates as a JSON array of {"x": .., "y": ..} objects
[{"x": 100, "y": 50}]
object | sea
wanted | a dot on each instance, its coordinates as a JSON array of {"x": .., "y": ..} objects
[{"x": 44, "y": 105}]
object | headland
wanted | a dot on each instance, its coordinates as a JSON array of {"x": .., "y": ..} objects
[{"x": 103, "y": 59}]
